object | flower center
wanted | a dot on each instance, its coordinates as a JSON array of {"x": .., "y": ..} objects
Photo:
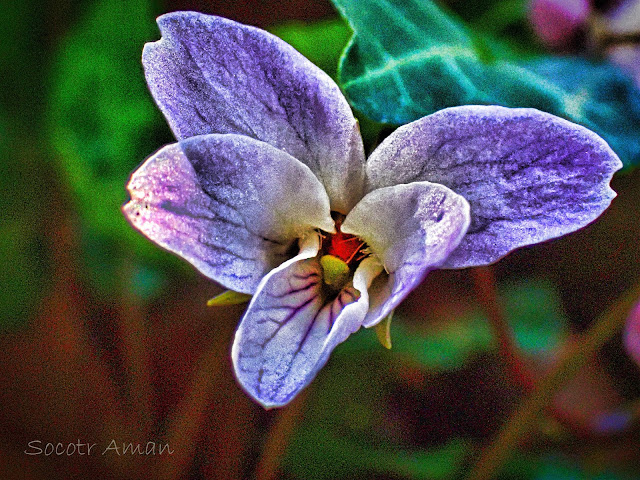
[
  {"x": 348, "y": 248},
  {"x": 340, "y": 254}
]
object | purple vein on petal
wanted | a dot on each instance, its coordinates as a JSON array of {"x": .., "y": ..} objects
[{"x": 290, "y": 328}]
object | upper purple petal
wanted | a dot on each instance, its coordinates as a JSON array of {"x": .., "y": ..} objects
[
  {"x": 412, "y": 229},
  {"x": 529, "y": 176},
  {"x": 292, "y": 325},
  {"x": 212, "y": 75},
  {"x": 230, "y": 205}
]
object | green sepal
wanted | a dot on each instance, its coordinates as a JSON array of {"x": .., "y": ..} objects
[
  {"x": 228, "y": 297},
  {"x": 383, "y": 331}
]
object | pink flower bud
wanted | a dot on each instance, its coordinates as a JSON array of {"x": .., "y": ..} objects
[{"x": 556, "y": 22}]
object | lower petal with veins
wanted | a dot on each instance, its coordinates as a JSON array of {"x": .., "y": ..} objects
[{"x": 291, "y": 326}]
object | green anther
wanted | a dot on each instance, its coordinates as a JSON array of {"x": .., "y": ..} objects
[
  {"x": 228, "y": 297},
  {"x": 336, "y": 271}
]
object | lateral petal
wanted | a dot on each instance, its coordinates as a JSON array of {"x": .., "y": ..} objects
[
  {"x": 232, "y": 206},
  {"x": 412, "y": 229}
]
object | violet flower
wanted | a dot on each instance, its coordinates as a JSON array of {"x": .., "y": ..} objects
[{"x": 268, "y": 193}]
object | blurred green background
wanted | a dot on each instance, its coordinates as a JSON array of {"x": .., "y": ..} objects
[{"x": 104, "y": 336}]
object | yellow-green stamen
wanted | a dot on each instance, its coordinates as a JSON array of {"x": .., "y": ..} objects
[{"x": 336, "y": 271}]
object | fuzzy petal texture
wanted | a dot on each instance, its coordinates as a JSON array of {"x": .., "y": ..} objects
[
  {"x": 291, "y": 327},
  {"x": 212, "y": 75},
  {"x": 529, "y": 176},
  {"x": 412, "y": 229},
  {"x": 232, "y": 206}
]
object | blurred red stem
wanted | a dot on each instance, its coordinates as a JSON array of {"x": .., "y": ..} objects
[
  {"x": 487, "y": 295},
  {"x": 185, "y": 426},
  {"x": 135, "y": 351},
  {"x": 520, "y": 370},
  {"x": 279, "y": 437}
]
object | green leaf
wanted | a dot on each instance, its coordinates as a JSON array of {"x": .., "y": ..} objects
[
  {"x": 424, "y": 60},
  {"x": 491, "y": 15},
  {"x": 23, "y": 62},
  {"x": 102, "y": 124},
  {"x": 559, "y": 466},
  {"x": 24, "y": 274},
  {"x": 505, "y": 19},
  {"x": 321, "y": 42},
  {"x": 25, "y": 187},
  {"x": 534, "y": 312},
  {"x": 318, "y": 454},
  {"x": 445, "y": 346}
]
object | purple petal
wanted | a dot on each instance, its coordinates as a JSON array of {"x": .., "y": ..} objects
[
  {"x": 234, "y": 208},
  {"x": 529, "y": 176},
  {"x": 412, "y": 229},
  {"x": 213, "y": 75},
  {"x": 291, "y": 327}
]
